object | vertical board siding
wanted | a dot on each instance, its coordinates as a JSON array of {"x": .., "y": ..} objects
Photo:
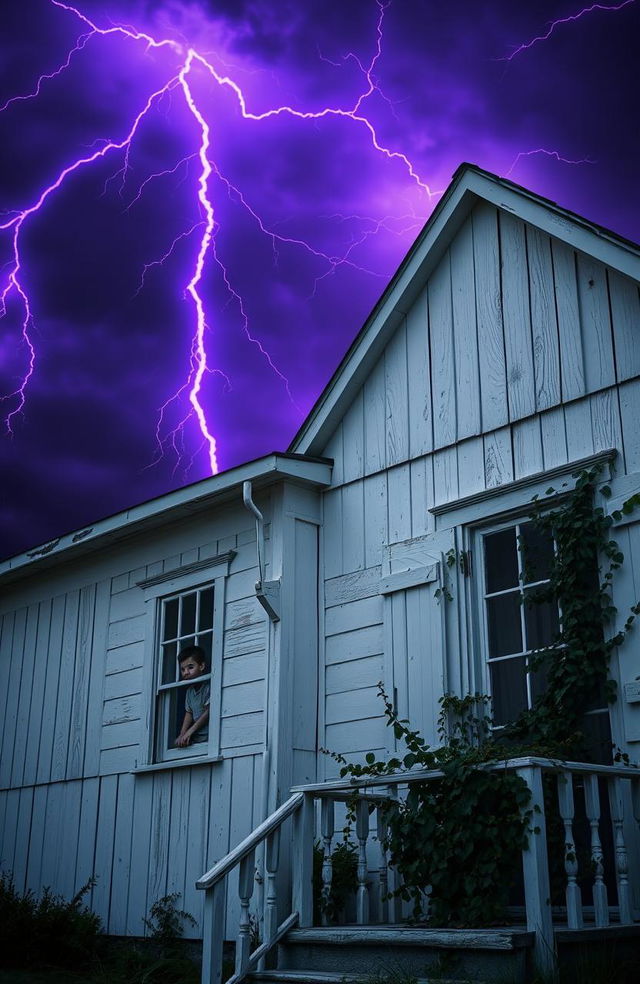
[
  {"x": 353, "y": 440},
  {"x": 544, "y": 326},
  {"x": 463, "y": 292},
  {"x": 397, "y": 397},
  {"x": 629, "y": 395},
  {"x": 597, "y": 341},
  {"x": 21, "y": 697},
  {"x": 37, "y": 711},
  {"x": 419, "y": 378},
  {"x": 491, "y": 354},
  {"x": 443, "y": 369},
  {"x": 374, "y": 411},
  {"x": 14, "y": 659},
  {"x": 624, "y": 296},
  {"x": 65, "y": 686},
  {"x": 517, "y": 318},
  {"x": 572, "y": 371}
]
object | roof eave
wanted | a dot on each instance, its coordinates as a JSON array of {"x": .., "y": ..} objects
[{"x": 181, "y": 503}]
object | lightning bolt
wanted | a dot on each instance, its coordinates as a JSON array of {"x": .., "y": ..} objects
[
  {"x": 548, "y": 153},
  {"x": 561, "y": 21},
  {"x": 191, "y": 60}
]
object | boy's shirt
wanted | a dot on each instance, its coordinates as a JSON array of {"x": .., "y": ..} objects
[{"x": 196, "y": 701}]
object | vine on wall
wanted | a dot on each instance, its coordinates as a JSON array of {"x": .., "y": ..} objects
[{"x": 460, "y": 836}]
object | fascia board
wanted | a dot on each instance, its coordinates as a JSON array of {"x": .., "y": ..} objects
[
  {"x": 557, "y": 222},
  {"x": 174, "y": 505}
]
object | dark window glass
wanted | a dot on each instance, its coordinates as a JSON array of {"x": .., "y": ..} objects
[
  {"x": 537, "y": 683},
  {"x": 205, "y": 642},
  {"x": 537, "y": 553},
  {"x": 501, "y": 560},
  {"x": 508, "y": 689},
  {"x": 206, "y": 609},
  {"x": 171, "y": 619},
  {"x": 541, "y": 622},
  {"x": 188, "y": 621},
  {"x": 505, "y": 632},
  {"x": 169, "y": 666}
]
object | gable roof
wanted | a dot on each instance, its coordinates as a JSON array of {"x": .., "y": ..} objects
[{"x": 469, "y": 185}]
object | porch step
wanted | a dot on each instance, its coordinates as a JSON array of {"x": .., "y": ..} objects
[
  {"x": 337, "y": 954},
  {"x": 310, "y": 977}
]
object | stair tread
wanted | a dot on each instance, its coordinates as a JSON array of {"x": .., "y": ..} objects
[{"x": 498, "y": 938}]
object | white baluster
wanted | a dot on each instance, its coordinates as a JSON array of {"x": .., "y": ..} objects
[
  {"x": 362, "y": 833},
  {"x": 327, "y": 823},
  {"x": 567, "y": 812},
  {"x": 620, "y": 847},
  {"x": 245, "y": 891},
  {"x": 271, "y": 861},
  {"x": 383, "y": 888},
  {"x": 592, "y": 804}
]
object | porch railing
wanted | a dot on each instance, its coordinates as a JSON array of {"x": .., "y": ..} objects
[{"x": 622, "y": 786}]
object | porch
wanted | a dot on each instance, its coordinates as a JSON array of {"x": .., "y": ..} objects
[{"x": 379, "y": 940}]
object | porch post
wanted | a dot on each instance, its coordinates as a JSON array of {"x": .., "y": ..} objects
[
  {"x": 302, "y": 862},
  {"x": 213, "y": 928},
  {"x": 535, "y": 865}
]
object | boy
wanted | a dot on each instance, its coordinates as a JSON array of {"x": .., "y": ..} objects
[{"x": 195, "y": 726}]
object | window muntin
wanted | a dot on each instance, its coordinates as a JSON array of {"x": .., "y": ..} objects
[
  {"x": 517, "y": 562},
  {"x": 186, "y": 619}
]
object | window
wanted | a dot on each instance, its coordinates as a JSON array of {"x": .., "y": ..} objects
[
  {"x": 185, "y": 607},
  {"x": 517, "y": 561},
  {"x": 186, "y": 620}
]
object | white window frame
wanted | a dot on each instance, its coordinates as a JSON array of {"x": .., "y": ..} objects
[
  {"x": 479, "y": 534},
  {"x": 212, "y": 572}
]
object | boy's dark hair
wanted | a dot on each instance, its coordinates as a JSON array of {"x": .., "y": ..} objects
[{"x": 193, "y": 652}]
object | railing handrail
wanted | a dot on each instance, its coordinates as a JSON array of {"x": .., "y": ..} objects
[
  {"x": 225, "y": 865},
  {"x": 422, "y": 775}
]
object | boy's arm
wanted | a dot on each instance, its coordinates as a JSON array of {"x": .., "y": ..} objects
[
  {"x": 197, "y": 724},
  {"x": 184, "y": 737}
]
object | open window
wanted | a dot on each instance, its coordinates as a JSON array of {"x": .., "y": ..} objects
[
  {"x": 186, "y": 620},
  {"x": 185, "y": 608}
]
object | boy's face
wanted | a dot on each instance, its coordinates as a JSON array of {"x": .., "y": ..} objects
[{"x": 190, "y": 668}]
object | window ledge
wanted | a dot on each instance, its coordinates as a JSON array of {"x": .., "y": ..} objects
[{"x": 176, "y": 764}]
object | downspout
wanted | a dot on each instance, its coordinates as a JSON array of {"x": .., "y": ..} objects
[{"x": 268, "y": 594}]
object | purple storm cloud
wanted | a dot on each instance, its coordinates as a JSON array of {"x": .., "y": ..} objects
[{"x": 200, "y": 203}]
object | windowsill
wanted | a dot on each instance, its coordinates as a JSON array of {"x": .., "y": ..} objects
[{"x": 178, "y": 763}]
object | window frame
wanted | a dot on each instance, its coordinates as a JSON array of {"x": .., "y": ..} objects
[
  {"x": 212, "y": 572},
  {"x": 479, "y": 534}
]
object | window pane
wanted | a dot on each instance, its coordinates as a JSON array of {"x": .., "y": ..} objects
[
  {"x": 501, "y": 560},
  {"x": 541, "y": 623},
  {"x": 204, "y": 641},
  {"x": 206, "y": 609},
  {"x": 537, "y": 683},
  {"x": 537, "y": 552},
  {"x": 503, "y": 617},
  {"x": 172, "y": 716},
  {"x": 188, "y": 620},
  {"x": 508, "y": 689},
  {"x": 169, "y": 667},
  {"x": 171, "y": 619}
]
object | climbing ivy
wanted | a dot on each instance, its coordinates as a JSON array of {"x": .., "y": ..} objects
[
  {"x": 576, "y": 664},
  {"x": 460, "y": 836}
]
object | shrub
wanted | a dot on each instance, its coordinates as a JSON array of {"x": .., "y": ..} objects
[{"x": 49, "y": 931}]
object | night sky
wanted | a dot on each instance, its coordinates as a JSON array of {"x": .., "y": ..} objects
[{"x": 308, "y": 218}]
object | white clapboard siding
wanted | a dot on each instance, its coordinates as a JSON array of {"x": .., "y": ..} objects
[
  {"x": 397, "y": 397},
  {"x": 629, "y": 394},
  {"x": 625, "y": 316}
]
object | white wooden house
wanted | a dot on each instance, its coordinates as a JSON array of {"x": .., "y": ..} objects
[{"x": 504, "y": 355}]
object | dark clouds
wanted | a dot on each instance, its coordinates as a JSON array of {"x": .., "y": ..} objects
[{"x": 109, "y": 356}]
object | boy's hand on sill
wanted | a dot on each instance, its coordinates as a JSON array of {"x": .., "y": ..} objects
[{"x": 183, "y": 740}]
